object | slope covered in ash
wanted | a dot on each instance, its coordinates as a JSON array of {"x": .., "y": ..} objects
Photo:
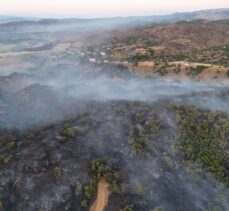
[
  {"x": 137, "y": 146},
  {"x": 50, "y": 96},
  {"x": 62, "y": 132}
]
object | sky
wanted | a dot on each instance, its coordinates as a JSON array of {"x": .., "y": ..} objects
[{"x": 103, "y": 8}]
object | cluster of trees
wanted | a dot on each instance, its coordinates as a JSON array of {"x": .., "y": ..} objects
[
  {"x": 140, "y": 138},
  {"x": 138, "y": 58},
  {"x": 196, "y": 70},
  {"x": 100, "y": 169},
  {"x": 204, "y": 138}
]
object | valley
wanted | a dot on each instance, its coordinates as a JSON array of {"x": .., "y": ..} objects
[{"x": 116, "y": 114}]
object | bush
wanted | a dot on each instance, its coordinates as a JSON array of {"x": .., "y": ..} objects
[
  {"x": 46, "y": 163},
  {"x": 6, "y": 159},
  {"x": 1, "y": 205},
  {"x": 139, "y": 189},
  {"x": 160, "y": 208},
  {"x": 130, "y": 39},
  {"x": 68, "y": 131},
  {"x": 138, "y": 58},
  {"x": 128, "y": 207},
  {"x": 194, "y": 71},
  {"x": 162, "y": 72},
  {"x": 84, "y": 204},
  {"x": 11, "y": 145},
  {"x": 90, "y": 188},
  {"x": 57, "y": 172},
  {"x": 153, "y": 126}
]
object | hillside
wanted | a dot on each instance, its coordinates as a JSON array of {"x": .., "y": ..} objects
[
  {"x": 199, "y": 48},
  {"x": 117, "y": 114},
  {"x": 16, "y": 23}
]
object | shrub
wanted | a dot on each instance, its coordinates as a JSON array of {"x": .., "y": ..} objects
[
  {"x": 151, "y": 51},
  {"x": 149, "y": 43},
  {"x": 68, "y": 131},
  {"x": 84, "y": 204},
  {"x": 78, "y": 189},
  {"x": 6, "y": 159},
  {"x": 130, "y": 39},
  {"x": 57, "y": 172},
  {"x": 139, "y": 117},
  {"x": 90, "y": 188},
  {"x": 162, "y": 72},
  {"x": 46, "y": 163},
  {"x": 139, "y": 189},
  {"x": 141, "y": 145},
  {"x": 138, "y": 58},
  {"x": 153, "y": 126},
  {"x": 11, "y": 145},
  {"x": 196, "y": 70},
  {"x": 30, "y": 135},
  {"x": 128, "y": 207},
  {"x": 160, "y": 208}
]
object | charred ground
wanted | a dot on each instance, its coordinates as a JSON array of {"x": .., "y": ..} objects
[{"x": 140, "y": 148}]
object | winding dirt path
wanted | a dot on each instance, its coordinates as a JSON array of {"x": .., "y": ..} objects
[{"x": 102, "y": 196}]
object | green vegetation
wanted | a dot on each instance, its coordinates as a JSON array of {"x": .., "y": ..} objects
[
  {"x": 204, "y": 138},
  {"x": 177, "y": 70},
  {"x": 130, "y": 39},
  {"x": 5, "y": 159},
  {"x": 128, "y": 207},
  {"x": 46, "y": 163},
  {"x": 150, "y": 51},
  {"x": 11, "y": 145},
  {"x": 140, "y": 145},
  {"x": 57, "y": 172},
  {"x": 223, "y": 48},
  {"x": 160, "y": 208},
  {"x": 179, "y": 57},
  {"x": 140, "y": 139},
  {"x": 67, "y": 131},
  {"x": 30, "y": 135},
  {"x": 139, "y": 189},
  {"x": 1, "y": 205},
  {"x": 138, "y": 58},
  {"x": 84, "y": 203},
  {"x": 149, "y": 43},
  {"x": 196, "y": 70},
  {"x": 162, "y": 72},
  {"x": 100, "y": 169}
]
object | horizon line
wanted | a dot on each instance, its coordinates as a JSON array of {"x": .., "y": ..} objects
[{"x": 107, "y": 17}]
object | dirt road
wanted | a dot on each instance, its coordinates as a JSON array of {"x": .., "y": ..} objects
[{"x": 102, "y": 196}]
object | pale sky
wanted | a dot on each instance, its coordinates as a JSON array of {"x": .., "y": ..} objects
[{"x": 103, "y": 8}]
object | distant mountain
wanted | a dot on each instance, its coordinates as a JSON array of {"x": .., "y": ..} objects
[
  {"x": 14, "y": 23},
  {"x": 8, "y": 19}
]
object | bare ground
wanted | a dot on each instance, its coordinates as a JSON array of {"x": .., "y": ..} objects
[{"x": 102, "y": 196}]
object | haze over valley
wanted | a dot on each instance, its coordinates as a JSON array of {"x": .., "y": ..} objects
[{"x": 117, "y": 114}]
